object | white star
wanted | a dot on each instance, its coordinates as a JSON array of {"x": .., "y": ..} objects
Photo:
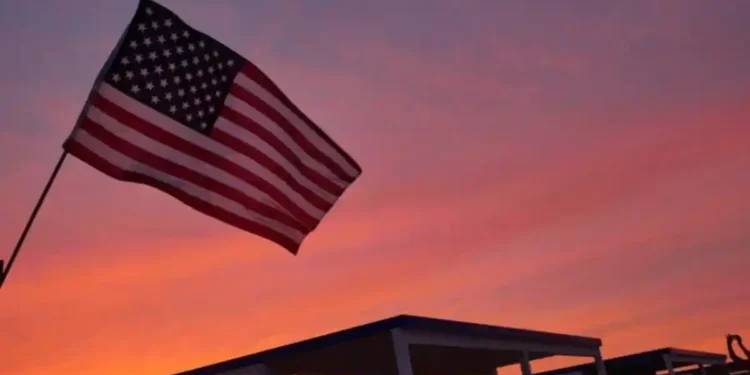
[
  {"x": 181, "y": 92},
  {"x": 167, "y": 53},
  {"x": 199, "y": 73},
  {"x": 155, "y": 99},
  {"x": 116, "y": 78},
  {"x": 191, "y": 47},
  {"x": 230, "y": 63},
  {"x": 211, "y": 109},
  {"x": 129, "y": 74},
  {"x": 186, "y": 34},
  {"x": 204, "y": 85},
  {"x": 197, "y": 101},
  {"x": 135, "y": 89},
  {"x": 172, "y": 66},
  {"x": 154, "y": 25},
  {"x": 193, "y": 89},
  {"x": 189, "y": 77},
  {"x": 158, "y": 69},
  {"x": 163, "y": 83},
  {"x": 138, "y": 58},
  {"x": 201, "y": 44},
  {"x": 161, "y": 39},
  {"x": 173, "y": 109},
  {"x": 141, "y": 27},
  {"x": 223, "y": 78},
  {"x": 185, "y": 105},
  {"x": 149, "y": 85},
  {"x": 177, "y": 80},
  {"x": 221, "y": 66},
  {"x": 218, "y": 93},
  {"x": 173, "y": 37},
  {"x": 144, "y": 72},
  {"x": 196, "y": 60},
  {"x": 180, "y": 50},
  {"x": 210, "y": 70},
  {"x": 216, "y": 54},
  {"x": 149, "y": 11},
  {"x": 204, "y": 125},
  {"x": 124, "y": 61},
  {"x": 147, "y": 42},
  {"x": 184, "y": 63},
  {"x": 200, "y": 114},
  {"x": 168, "y": 96},
  {"x": 152, "y": 55},
  {"x": 168, "y": 22},
  {"x": 206, "y": 57},
  {"x": 209, "y": 98},
  {"x": 133, "y": 44},
  {"x": 189, "y": 117},
  {"x": 214, "y": 81}
]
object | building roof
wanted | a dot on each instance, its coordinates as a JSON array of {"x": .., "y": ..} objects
[
  {"x": 479, "y": 346},
  {"x": 645, "y": 362}
]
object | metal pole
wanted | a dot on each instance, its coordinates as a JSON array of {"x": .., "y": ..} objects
[{"x": 22, "y": 238}]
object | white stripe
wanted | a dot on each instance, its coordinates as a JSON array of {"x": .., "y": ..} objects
[
  {"x": 251, "y": 139},
  {"x": 123, "y": 162},
  {"x": 179, "y": 130},
  {"x": 321, "y": 144},
  {"x": 248, "y": 111}
]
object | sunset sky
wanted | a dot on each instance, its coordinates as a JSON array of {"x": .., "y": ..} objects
[{"x": 575, "y": 166}]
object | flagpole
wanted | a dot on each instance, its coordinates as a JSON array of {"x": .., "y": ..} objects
[
  {"x": 22, "y": 238},
  {"x": 99, "y": 78}
]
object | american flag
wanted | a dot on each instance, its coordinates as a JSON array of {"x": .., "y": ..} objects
[{"x": 177, "y": 110}]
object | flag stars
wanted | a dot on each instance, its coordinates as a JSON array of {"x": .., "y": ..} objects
[
  {"x": 142, "y": 27},
  {"x": 196, "y": 60},
  {"x": 139, "y": 58},
  {"x": 155, "y": 25},
  {"x": 167, "y": 53},
  {"x": 168, "y": 96},
  {"x": 129, "y": 74},
  {"x": 180, "y": 50},
  {"x": 230, "y": 63},
  {"x": 193, "y": 89},
  {"x": 172, "y": 66},
  {"x": 152, "y": 55},
  {"x": 174, "y": 37},
  {"x": 149, "y": 86},
  {"x": 201, "y": 44},
  {"x": 147, "y": 41},
  {"x": 168, "y": 22},
  {"x": 173, "y": 109},
  {"x": 144, "y": 72},
  {"x": 189, "y": 77},
  {"x": 177, "y": 80},
  {"x": 116, "y": 77},
  {"x": 189, "y": 117},
  {"x": 133, "y": 44},
  {"x": 155, "y": 99},
  {"x": 161, "y": 39},
  {"x": 158, "y": 70},
  {"x": 180, "y": 92},
  {"x": 163, "y": 83},
  {"x": 191, "y": 47},
  {"x": 149, "y": 11},
  {"x": 185, "y": 105},
  {"x": 186, "y": 34},
  {"x": 135, "y": 89},
  {"x": 125, "y": 61}
]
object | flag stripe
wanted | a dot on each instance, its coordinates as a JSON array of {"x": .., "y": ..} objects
[
  {"x": 168, "y": 166},
  {"x": 247, "y": 117},
  {"x": 270, "y": 92},
  {"x": 257, "y": 97},
  {"x": 246, "y": 143},
  {"x": 121, "y": 167},
  {"x": 176, "y": 137}
]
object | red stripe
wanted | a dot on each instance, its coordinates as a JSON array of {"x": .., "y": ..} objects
[
  {"x": 136, "y": 123},
  {"x": 113, "y": 171},
  {"x": 246, "y": 123},
  {"x": 254, "y": 73},
  {"x": 167, "y": 166},
  {"x": 287, "y": 127}
]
